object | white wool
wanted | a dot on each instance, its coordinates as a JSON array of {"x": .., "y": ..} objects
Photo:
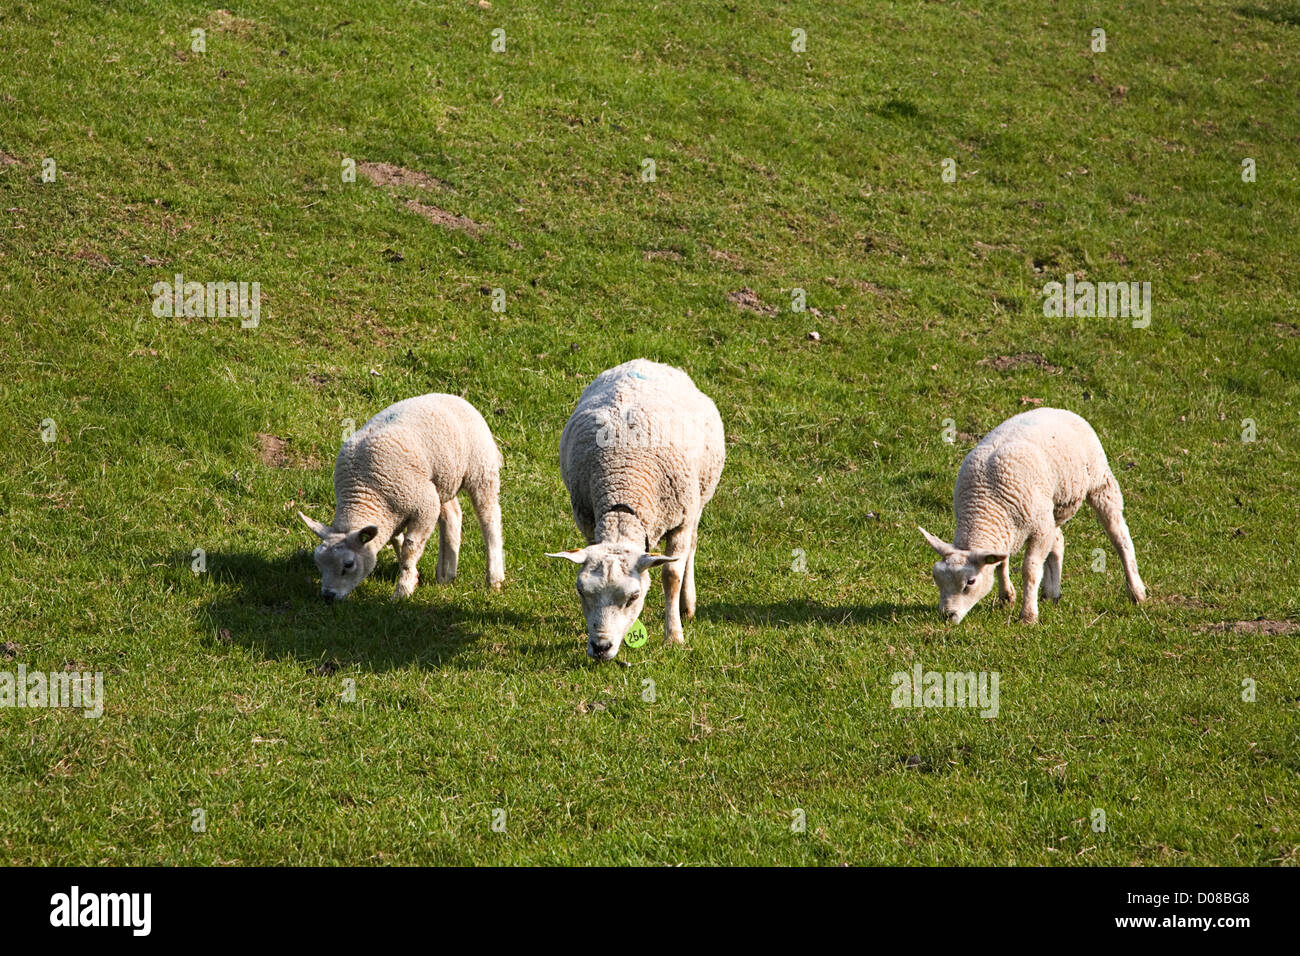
[
  {"x": 641, "y": 456},
  {"x": 1025, "y": 479},
  {"x": 396, "y": 479}
]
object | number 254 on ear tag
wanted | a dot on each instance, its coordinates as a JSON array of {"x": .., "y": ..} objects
[{"x": 637, "y": 636}]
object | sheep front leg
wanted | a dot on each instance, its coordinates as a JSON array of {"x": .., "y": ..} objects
[
  {"x": 419, "y": 529},
  {"x": 1006, "y": 590},
  {"x": 1036, "y": 550},
  {"x": 449, "y": 525},
  {"x": 676, "y": 545}
]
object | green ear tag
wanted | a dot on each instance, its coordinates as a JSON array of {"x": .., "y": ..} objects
[{"x": 637, "y": 636}]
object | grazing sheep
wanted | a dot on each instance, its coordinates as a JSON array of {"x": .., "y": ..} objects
[
  {"x": 1016, "y": 488},
  {"x": 641, "y": 456},
  {"x": 395, "y": 479}
]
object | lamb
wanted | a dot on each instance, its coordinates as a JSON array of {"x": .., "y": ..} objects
[
  {"x": 641, "y": 456},
  {"x": 1016, "y": 488},
  {"x": 395, "y": 479}
]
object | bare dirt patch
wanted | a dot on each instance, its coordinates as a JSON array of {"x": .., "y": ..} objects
[
  {"x": 7, "y": 160},
  {"x": 274, "y": 451},
  {"x": 226, "y": 22},
  {"x": 1257, "y": 626},
  {"x": 661, "y": 255},
  {"x": 1008, "y": 363},
  {"x": 97, "y": 259},
  {"x": 391, "y": 177},
  {"x": 448, "y": 220},
  {"x": 748, "y": 300}
]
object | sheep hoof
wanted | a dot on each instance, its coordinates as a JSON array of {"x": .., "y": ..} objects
[
  {"x": 495, "y": 585},
  {"x": 676, "y": 638},
  {"x": 1138, "y": 595},
  {"x": 1008, "y": 597},
  {"x": 404, "y": 589},
  {"x": 1028, "y": 617},
  {"x": 445, "y": 577}
]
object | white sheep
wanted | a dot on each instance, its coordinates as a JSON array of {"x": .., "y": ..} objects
[
  {"x": 641, "y": 456},
  {"x": 1016, "y": 488},
  {"x": 395, "y": 479}
]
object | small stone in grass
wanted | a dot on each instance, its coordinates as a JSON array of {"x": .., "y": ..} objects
[
  {"x": 223, "y": 635},
  {"x": 10, "y": 650},
  {"x": 814, "y": 337},
  {"x": 911, "y": 760}
]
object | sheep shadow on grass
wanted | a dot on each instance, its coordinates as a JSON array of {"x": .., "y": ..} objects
[{"x": 276, "y": 610}]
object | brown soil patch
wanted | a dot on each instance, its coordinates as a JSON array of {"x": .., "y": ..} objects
[
  {"x": 7, "y": 160},
  {"x": 273, "y": 451},
  {"x": 276, "y": 453},
  {"x": 748, "y": 299},
  {"x": 97, "y": 259},
  {"x": 390, "y": 177},
  {"x": 1008, "y": 363},
  {"x": 448, "y": 220},
  {"x": 227, "y": 22}
]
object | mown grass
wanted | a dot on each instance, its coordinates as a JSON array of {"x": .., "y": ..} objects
[{"x": 775, "y": 170}]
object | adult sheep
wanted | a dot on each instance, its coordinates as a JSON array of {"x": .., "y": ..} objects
[
  {"x": 1015, "y": 489},
  {"x": 641, "y": 456}
]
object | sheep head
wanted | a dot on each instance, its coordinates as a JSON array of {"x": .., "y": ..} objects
[
  {"x": 963, "y": 577},
  {"x": 612, "y": 584},
  {"x": 343, "y": 557}
]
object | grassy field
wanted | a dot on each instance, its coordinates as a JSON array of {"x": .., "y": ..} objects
[{"x": 774, "y": 170}]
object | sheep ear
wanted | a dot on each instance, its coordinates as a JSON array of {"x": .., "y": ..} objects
[
  {"x": 943, "y": 547},
  {"x": 320, "y": 529},
  {"x": 364, "y": 536},
  {"x": 987, "y": 557},
  {"x": 577, "y": 555},
  {"x": 647, "y": 561}
]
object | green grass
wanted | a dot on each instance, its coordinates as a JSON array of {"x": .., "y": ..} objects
[{"x": 775, "y": 170}]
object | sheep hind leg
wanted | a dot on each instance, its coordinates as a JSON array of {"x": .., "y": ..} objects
[
  {"x": 688, "y": 579},
  {"x": 486, "y": 499},
  {"x": 1052, "y": 568},
  {"x": 1108, "y": 504},
  {"x": 449, "y": 525}
]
